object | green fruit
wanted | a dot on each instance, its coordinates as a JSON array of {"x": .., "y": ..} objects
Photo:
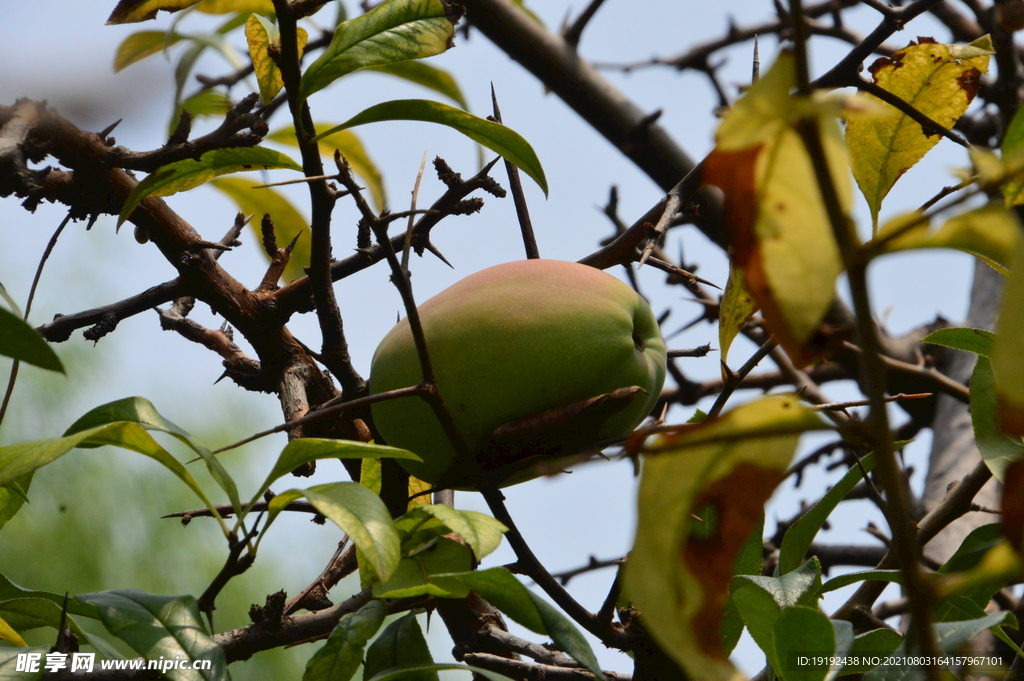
[{"x": 512, "y": 341}]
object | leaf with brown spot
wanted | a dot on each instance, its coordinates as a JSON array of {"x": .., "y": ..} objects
[
  {"x": 723, "y": 471},
  {"x": 779, "y": 231},
  {"x": 939, "y": 81}
]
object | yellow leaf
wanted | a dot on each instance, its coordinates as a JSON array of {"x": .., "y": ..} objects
[
  {"x": 264, "y": 7},
  {"x": 939, "y": 81},
  {"x": 7, "y": 633},
  {"x": 138, "y": 46},
  {"x": 763, "y": 112},
  {"x": 991, "y": 233},
  {"x": 1008, "y": 355},
  {"x": 288, "y": 222},
  {"x": 262, "y": 35},
  {"x": 134, "y": 11},
  {"x": 369, "y": 474},
  {"x": 780, "y": 232},
  {"x": 416, "y": 486},
  {"x": 348, "y": 143},
  {"x": 781, "y": 236},
  {"x": 722, "y": 471},
  {"x": 736, "y": 308}
]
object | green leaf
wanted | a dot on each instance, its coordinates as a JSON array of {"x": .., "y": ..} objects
[
  {"x": 207, "y": 103},
  {"x": 10, "y": 591},
  {"x": 189, "y": 173},
  {"x": 1008, "y": 354},
  {"x": 303, "y": 450},
  {"x": 990, "y": 233},
  {"x": 965, "y": 608},
  {"x": 499, "y": 588},
  {"x": 288, "y": 221},
  {"x": 940, "y": 81},
  {"x": 348, "y": 143},
  {"x": 396, "y": 30},
  {"x": 482, "y": 532},
  {"x": 798, "y": 587},
  {"x": 12, "y": 497},
  {"x": 341, "y": 656},
  {"x": 141, "y": 411},
  {"x": 702, "y": 493},
  {"x": 358, "y": 512},
  {"x": 204, "y": 103},
  {"x": 875, "y": 643},
  {"x": 800, "y": 629},
  {"x": 9, "y": 663},
  {"x": 428, "y": 76},
  {"x": 968, "y": 556},
  {"x": 161, "y": 626},
  {"x": 401, "y": 644},
  {"x": 862, "y": 576},
  {"x": 415, "y": 671},
  {"x": 264, "y": 7},
  {"x": 182, "y": 70},
  {"x": 429, "y": 572},
  {"x": 799, "y": 536},
  {"x": 22, "y": 458},
  {"x": 494, "y": 136},
  {"x": 13, "y": 306},
  {"x": 951, "y": 636},
  {"x": 760, "y": 612},
  {"x": 749, "y": 562},
  {"x": 978, "y": 341},
  {"x": 997, "y": 450},
  {"x": 973, "y": 548},
  {"x": 24, "y": 614},
  {"x": 138, "y": 46},
  {"x": 20, "y": 341},
  {"x": 1013, "y": 140},
  {"x": 133, "y": 11}
]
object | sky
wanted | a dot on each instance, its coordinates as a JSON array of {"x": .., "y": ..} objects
[{"x": 61, "y": 51}]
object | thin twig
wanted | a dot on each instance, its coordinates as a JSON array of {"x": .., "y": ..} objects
[
  {"x": 15, "y": 365},
  {"x": 515, "y": 184},
  {"x": 328, "y": 411},
  {"x": 573, "y": 33},
  {"x": 842, "y": 406},
  {"x": 734, "y": 379},
  {"x": 877, "y": 432},
  {"x": 702, "y": 351},
  {"x": 529, "y": 565},
  {"x": 412, "y": 214}
]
